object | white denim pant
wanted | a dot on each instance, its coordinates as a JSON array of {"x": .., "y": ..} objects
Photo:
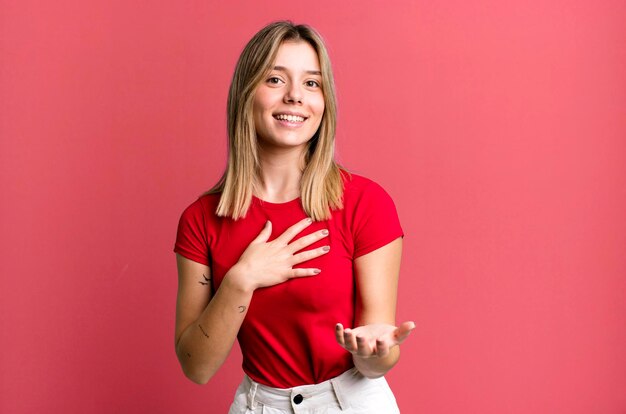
[{"x": 349, "y": 393}]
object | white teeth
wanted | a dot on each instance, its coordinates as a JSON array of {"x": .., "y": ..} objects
[{"x": 289, "y": 118}]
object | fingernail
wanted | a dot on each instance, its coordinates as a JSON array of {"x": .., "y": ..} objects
[
  {"x": 309, "y": 220},
  {"x": 325, "y": 232},
  {"x": 326, "y": 248},
  {"x": 317, "y": 271}
]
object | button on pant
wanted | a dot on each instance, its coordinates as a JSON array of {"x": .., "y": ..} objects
[{"x": 349, "y": 393}]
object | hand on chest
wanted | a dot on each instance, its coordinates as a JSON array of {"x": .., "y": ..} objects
[{"x": 334, "y": 283}]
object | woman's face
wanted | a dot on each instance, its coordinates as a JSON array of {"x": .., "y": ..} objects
[{"x": 289, "y": 103}]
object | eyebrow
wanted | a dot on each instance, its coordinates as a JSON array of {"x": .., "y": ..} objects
[{"x": 309, "y": 72}]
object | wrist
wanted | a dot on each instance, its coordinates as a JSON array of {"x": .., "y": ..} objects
[
  {"x": 374, "y": 366},
  {"x": 369, "y": 367},
  {"x": 236, "y": 279}
]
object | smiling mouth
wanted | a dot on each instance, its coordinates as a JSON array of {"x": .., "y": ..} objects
[{"x": 290, "y": 118}]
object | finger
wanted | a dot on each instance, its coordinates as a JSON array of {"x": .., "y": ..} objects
[
  {"x": 339, "y": 334},
  {"x": 403, "y": 331},
  {"x": 308, "y": 255},
  {"x": 307, "y": 240},
  {"x": 303, "y": 272},
  {"x": 382, "y": 348},
  {"x": 363, "y": 347},
  {"x": 292, "y": 231},
  {"x": 349, "y": 340},
  {"x": 265, "y": 233}
]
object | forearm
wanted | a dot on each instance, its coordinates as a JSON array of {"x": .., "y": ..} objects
[
  {"x": 374, "y": 367},
  {"x": 205, "y": 344}
]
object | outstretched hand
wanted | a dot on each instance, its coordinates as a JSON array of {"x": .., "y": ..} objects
[{"x": 373, "y": 340}]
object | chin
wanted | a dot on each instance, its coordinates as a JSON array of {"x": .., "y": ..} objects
[{"x": 286, "y": 142}]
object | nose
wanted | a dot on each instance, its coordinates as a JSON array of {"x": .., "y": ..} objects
[{"x": 293, "y": 94}]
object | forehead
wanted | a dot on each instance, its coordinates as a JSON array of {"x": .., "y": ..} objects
[{"x": 297, "y": 55}]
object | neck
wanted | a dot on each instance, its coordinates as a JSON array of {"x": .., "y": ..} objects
[{"x": 280, "y": 175}]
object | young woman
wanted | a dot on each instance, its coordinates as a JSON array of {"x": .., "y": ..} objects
[{"x": 289, "y": 251}]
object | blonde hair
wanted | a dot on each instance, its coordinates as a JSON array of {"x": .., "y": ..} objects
[{"x": 321, "y": 186}]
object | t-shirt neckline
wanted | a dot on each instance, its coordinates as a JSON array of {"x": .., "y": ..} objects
[{"x": 276, "y": 206}]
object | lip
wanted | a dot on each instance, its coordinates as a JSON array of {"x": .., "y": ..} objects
[
  {"x": 290, "y": 113},
  {"x": 288, "y": 124}
]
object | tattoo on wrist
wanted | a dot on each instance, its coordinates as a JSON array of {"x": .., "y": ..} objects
[
  {"x": 206, "y": 280},
  {"x": 203, "y": 331},
  {"x": 242, "y": 309}
]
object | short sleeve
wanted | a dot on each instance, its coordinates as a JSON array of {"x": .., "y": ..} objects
[
  {"x": 191, "y": 237},
  {"x": 376, "y": 221}
]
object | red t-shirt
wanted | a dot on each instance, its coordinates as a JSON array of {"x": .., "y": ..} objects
[{"x": 287, "y": 338}]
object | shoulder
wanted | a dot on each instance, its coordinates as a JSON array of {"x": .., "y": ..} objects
[
  {"x": 357, "y": 187},
  {"x": 206, "y": 200},
  {"x": 370, "y": 214},
  {"x": 203, "y": 207}
]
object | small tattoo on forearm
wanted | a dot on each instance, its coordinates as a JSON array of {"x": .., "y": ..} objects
[
  {"x": 242, "y": 309},
  {"x": 206, "y": 280},
  {"x": 203, "y": 331}
]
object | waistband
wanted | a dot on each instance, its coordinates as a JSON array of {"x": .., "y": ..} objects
[{"x": 333, "y": 391}]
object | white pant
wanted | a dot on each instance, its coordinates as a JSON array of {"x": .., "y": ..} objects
[{"x": 349, "y": 393}]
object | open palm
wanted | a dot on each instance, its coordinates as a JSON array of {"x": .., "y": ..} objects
[{"x": 373, "y": 340}]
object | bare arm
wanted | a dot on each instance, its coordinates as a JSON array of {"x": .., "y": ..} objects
[
  {"x": 374, "y": 342},
  {"x": 207, "y": 322}
]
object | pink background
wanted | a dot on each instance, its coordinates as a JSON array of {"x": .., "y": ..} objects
[{"x": 498, "y": 127}]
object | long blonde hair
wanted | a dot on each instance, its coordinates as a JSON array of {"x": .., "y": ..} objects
[{"x": 321, "y": 186}]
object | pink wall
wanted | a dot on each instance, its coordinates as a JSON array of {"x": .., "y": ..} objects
[{"x": 499, "y": 128}]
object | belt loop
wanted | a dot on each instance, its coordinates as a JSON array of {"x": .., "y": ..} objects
[
  {"x": 338, "y": 394},
  {"x": 252, "y": 394}
]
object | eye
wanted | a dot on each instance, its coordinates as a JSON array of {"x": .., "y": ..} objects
[
  {"x": 312, "y": 84},
  {"x": 274, "y": 80}
]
